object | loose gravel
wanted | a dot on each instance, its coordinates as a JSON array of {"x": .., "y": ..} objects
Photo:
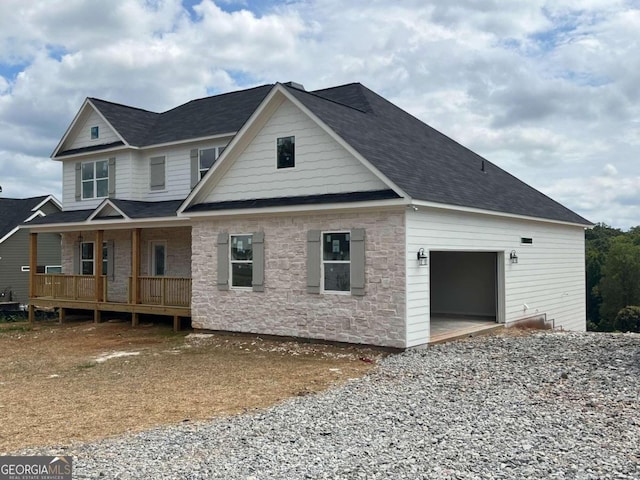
[{"x": 542, "y": 405}]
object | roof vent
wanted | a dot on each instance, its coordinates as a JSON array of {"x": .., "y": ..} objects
[{"x": 299, "y": 86}]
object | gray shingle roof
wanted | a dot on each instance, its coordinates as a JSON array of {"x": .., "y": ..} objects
[
  {"x": 138, "y": 209},
  {"x": 423, "y": 162},
  {"x": 69, "y": 216},
  {"x": 300, "y": 200},
  {"x": 205, "y": 117},
  {"x": 14, "y": 211}
]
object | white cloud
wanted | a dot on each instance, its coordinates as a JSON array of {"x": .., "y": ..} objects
[{"x": 546, "y": 89}]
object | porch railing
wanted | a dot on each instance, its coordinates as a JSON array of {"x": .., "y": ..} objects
[
  {"x": 169, "y": 291},
  {"x": 164, "y": 291},
  {"x": 69, "y": 287}
]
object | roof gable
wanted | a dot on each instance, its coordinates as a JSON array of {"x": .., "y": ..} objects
[
  {"x": 78, "y": 137},
  {"x": 16, "y": 211},
  {"x": 247, "y": 168},
  {"x": 426, "y": 164}
]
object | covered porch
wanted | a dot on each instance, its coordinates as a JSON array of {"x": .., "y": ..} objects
[{"x": 122, "y": 276}]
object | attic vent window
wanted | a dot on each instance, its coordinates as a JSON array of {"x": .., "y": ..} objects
[
  {"x": 526, "y": 240},
  {"x": 286, "y": 152},
  {"x": 95, "y": 132}
]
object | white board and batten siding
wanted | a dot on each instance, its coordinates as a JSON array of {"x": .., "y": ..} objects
[
  {"x": 322, "y": 165},
  {"x": 549, "y": 277},
  {"x": 81, "y": 135}
]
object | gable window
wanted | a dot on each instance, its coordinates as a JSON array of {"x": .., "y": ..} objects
[
  {"x": 158, "y": 258},
  {"x": 336, "y": 262},
  {"x": 157, "y": 173},
  {"x": 241, "y": 258},
  {"x": 87, "y": 258},
  {"x": 95, "y": 133},
  {"x": 286, "y": 152},
  {"x": 95, "y": 179},
  {"x": 207, "y": 158}
]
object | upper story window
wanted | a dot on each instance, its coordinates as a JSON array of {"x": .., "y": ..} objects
[
  {"x": 241, "y": 260},
  {"x": 336, "y": 262},
  {"x": 207, "y": 158},
  {"x": 286, "y": 152},
  {"x": 157, "y": 173},
  {"x": 95, "y": 179},
  {"x": 95, "y": 133}
]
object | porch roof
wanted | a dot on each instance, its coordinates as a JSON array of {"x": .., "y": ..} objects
[
  {"x": 291, "y": 201},
  {"x": 133, "y": 209}
]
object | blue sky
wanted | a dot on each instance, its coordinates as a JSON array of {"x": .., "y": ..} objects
[{"x": 545, "y": 89}]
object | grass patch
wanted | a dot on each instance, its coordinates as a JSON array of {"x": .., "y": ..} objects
[{"x": 171, "y": 378}]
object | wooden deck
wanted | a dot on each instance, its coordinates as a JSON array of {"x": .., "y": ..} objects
[{"x": 168, "y": 296}]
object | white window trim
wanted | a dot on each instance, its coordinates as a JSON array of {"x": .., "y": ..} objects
[
  {"x": 94, "y": 180},
  {"x": 152, "y": 257},
  {"x": 322, "y": 262},
  {"x": 218, "y": 148},
  {"x": 295, "y": 163},
  {"x": 47, "y": 267},
  {"x": 97, "y": 130},
  {"x": 25, "y": 268},
  {"x": 231, "y": 262}
]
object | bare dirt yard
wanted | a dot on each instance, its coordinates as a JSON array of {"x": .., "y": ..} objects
[{"x": 80, "y": 381}]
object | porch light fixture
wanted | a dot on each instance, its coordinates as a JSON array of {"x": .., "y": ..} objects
[
  {"x": 422, "y": 257},
  {"x": 513, "y": 257}
]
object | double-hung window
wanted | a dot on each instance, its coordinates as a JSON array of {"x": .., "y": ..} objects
[
  {"x": 207, "y": 157},
  {"x": 87, "y": 258},
  {"x": 336, "y": 262},
  {"x": 241, "y": 258},
  {"x": 95, "y": 179}
]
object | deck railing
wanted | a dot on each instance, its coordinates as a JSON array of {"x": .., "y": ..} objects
[
  {"x": 164, "y": 291},
  {"x": 169, "y": 291},
  {"x": 68, "y": 287}
]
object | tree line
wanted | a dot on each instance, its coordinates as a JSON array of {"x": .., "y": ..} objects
[{"x": 613, "y": 278}]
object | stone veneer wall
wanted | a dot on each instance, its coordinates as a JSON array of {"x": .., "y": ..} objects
[
  {"x": 178, "y": 255},
  {"x": 285, "y": 307}
]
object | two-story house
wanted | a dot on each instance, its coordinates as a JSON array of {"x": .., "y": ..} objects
[
  {"x": 328, "y": 214},
  {"x": 14, "y": 251}
]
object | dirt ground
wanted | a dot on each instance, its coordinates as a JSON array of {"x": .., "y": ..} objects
[{"x": 80, "y": 381}]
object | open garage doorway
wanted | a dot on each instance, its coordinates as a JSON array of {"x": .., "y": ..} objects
[{"x": 466, "y": 291}]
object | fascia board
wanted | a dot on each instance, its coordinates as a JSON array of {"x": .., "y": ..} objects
[
  {"x": 326, "y": 207},
  {"x": 118, "y": 224},
  {"x": 229, "y": 151},
  {"x": 105, "y": 203},
  {"x": 51, "y": 199},
  {"x": 480, "y": 211},
  {"x": 86, "y": 104},
  {"x": 381, "y": 176}
]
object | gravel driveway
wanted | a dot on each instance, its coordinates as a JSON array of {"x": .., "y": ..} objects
[{"x": 544, "y": 405}]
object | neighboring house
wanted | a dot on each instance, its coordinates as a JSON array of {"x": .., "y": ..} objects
[
  {"x": 330, "y": 214},
  {"x": 14, "y": 245}
]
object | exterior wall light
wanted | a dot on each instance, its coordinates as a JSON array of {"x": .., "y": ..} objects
[
  {"x": 513, "y": 257},
  {"x": 422, "y": 257}
]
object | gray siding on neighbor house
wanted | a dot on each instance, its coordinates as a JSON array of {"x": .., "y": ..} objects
[{"x": 14, "y": 254}]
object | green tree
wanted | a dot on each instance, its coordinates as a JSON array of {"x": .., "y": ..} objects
[
  {"x": 620, "y": 282},
  {"x": 598, "y": 242}
]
